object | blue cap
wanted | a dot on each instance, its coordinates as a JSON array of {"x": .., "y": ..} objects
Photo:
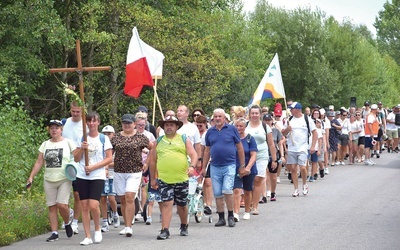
[{"x": 296, "y": 105}]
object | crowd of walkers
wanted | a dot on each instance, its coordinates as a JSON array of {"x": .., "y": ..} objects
[{"x": 237, "y": 156}]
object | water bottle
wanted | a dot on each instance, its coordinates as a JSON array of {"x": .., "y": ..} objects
[{"x": 106, "y": 186}]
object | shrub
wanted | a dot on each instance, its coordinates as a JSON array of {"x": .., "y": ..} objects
[{"x": 23, "y": 217}]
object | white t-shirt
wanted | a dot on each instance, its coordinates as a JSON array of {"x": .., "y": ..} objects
[
  {"x": 96, "y": 155},
  {"x": 73, "y": 130},
  {"x": 319, "y": 136},
  {"x": 151, "y": 138},
  {"x": 297, "y": 139},
  {"x": 261, "y": 139},
  {"x": 191, "y": 131},
  {"x": 56, "y": 156},
  {"x": 354, "y": 127},
  {"x": 345, "y": 126},
  {"x": 361, "y": 125},
  {"x": 391, "y": 117}
]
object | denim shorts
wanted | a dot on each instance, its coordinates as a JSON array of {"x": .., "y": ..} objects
[
  {"x": 222, "y": 178},
  {"x": 246, "y": 182}
]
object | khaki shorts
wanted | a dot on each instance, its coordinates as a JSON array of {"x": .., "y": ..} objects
[
  {"x": 392, "y": 134},
  {"x": 57, "y": 192}
]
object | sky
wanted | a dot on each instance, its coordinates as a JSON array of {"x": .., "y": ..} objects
[{"x": 357, "y": 11}]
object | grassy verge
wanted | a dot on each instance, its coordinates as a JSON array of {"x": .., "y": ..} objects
[{"x": 23, "y": 217}]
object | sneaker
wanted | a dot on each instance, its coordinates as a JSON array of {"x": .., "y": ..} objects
[
  {"x": 246, "y": 216},
  {"x": 68, "y": 230},
  {"x": 289, "y": 176},
  {"x": 236, "y": 217},
  {"x": 295, "y": 193},
  {"x": 278, "y": 180},
  {"x": 123, "y": 231},
  {"x": 371, "y": 162},
  {"x": 366, "y": 162},
  {"x": 104, "y": 227},
  {"x": 315, "y": 176},
  {"x": 337, "y": 163},
  {"x": 263, "y": 200},
  {"x": 184, "y": 230},
  {"x": 53, "y": 237},
  {"x": 86, "y": 242},
  {"x": 116, "y": 222},
  {"x": 164, "y": 234},
  {"x": 74, "y": 227},
  {"x": 342, "y": 163},
  {"x": 273, "y": 198},
  {"x": 128, "y": 232},
  {"x": 311, "y": 179},
  {"x": 269, "y": 194},
  {"x": 207, "y": 210},
  {"x": 98, "y": 237},
  {"x": 148, "y": 221},
  {"x": 305, "y": 189},
  {"x": 138, "y": 216},
  {"x": 308, "y": 178},
  {"x": 231, "y": 221},
  {"x": 378, "y": 155},
  {"x": 332, "y": 164},
  {"x": 71, "y": 217},
  {"x": 220, "y": 223},
  {"x": 322, "y": 173},
  {"x": 326, "y": 170}
]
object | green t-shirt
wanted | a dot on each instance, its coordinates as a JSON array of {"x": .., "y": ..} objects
[{"x": 172, "y": 162}]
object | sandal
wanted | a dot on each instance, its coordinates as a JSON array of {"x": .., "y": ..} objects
[{"x": 255, "y": 212}]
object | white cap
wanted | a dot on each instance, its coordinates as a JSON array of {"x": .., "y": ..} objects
[
  {"x": 374, "y": 106},
  {"x": 228, "y": 117},
  {"x": 331, "y": 107},
  {"x": 108, "y": 129},
  {"x": 322, "y": 111}
]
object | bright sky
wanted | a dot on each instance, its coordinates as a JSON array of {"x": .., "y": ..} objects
[{"x": 357, "y": 11}]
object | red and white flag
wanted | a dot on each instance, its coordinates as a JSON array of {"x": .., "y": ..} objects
[{"x": 142, "y": 63}]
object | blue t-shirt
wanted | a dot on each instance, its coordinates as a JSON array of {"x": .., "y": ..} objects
[
  {"x": 248, "y": 146},
  {"x": 222, "y": 144}
]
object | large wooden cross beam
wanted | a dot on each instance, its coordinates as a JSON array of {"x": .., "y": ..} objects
[{"x": 80, "y": 71}]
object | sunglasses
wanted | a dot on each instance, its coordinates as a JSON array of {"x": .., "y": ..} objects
[
  {"x": 195, "y": 115},
  {"x": 199, "y": 125}
]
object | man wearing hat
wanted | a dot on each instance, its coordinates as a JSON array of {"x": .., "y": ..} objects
[
  {"x": 371, "y": 132},
  {"x": 297, "y": 131},
  {"x": 149, "y": 127},
  {"x": 168, "y": 158}
]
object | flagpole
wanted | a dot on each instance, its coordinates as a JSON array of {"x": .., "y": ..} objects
[{"x": 154, "y": 101}]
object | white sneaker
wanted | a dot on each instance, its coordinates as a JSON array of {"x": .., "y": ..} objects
[
  {"x": 371, "y": 162},
  {"x": 305, "y": 189},
  {"x": 86, "y": 242},
  {"x": 269, "y": 194},
  {"x": 295, "y": 193},
  {"x": 98, "y": 237},
  {"x": 128, "y": 231},
  {"x": 246, "y": 216},
  {"x": 236, "y": 217},
  {"x": 342, "y": 163},
  {"x": 116, "y": 222},
  {"x": 138, "y": 216},
  {"x": 75, "y": 228},
  {"x": 326, "y": 171},
  {"x": 148, "y": 221},
  {"x": 104, "y": 228},
  {"x": 123, "y": 231},
  {"x": 337, "y": 163},
  {"x": 278, "y": 180}
]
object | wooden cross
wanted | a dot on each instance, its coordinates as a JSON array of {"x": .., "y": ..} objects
[{"x": 80, "y": 71}]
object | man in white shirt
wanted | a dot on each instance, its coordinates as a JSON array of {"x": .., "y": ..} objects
[
  {"x": 392, "y": 130},
  {"x": 296, "y": 131}
]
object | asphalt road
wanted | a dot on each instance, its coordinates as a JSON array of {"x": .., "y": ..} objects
[{"x": 355, "y": 207}]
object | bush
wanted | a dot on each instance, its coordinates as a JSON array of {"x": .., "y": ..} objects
[
  {"x": 20, "y": 138},
  {"x": 23, "y": 217}
]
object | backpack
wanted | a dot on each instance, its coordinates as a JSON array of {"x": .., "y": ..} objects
[
  {"x": 183, "y": 138},
  {"x": 263, "y": 124},
  {"x": 103, "y": 141},
  {"x": 397, "y": 120},
  {"x": 307, "y": 122}
]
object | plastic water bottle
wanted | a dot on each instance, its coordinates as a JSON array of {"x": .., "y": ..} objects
[{"x": 106, "y": 186}]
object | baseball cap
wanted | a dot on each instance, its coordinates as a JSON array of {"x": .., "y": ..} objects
[
  {"x": 379, "y": 103},
  {"x": 374, "y": 106},
  {"x": 315, "y": 106},
  {"x": 108, "y": 129},
  {"x": 331, "y": 113},
  {"x": 366, "y": 103},
  {"x": 267, "y": 117},
  {"x": 295, "y": 105},
  {"x": 228, "y": 117},
  {"x": 128, "y": 118},
  {"x": 322, "y": 111},
  {"x": 337, "y": 112},
  {"x": 331, "y": 107},
  {"x": 56, "y": 122},
  {"x": 143, "y": 109}
]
